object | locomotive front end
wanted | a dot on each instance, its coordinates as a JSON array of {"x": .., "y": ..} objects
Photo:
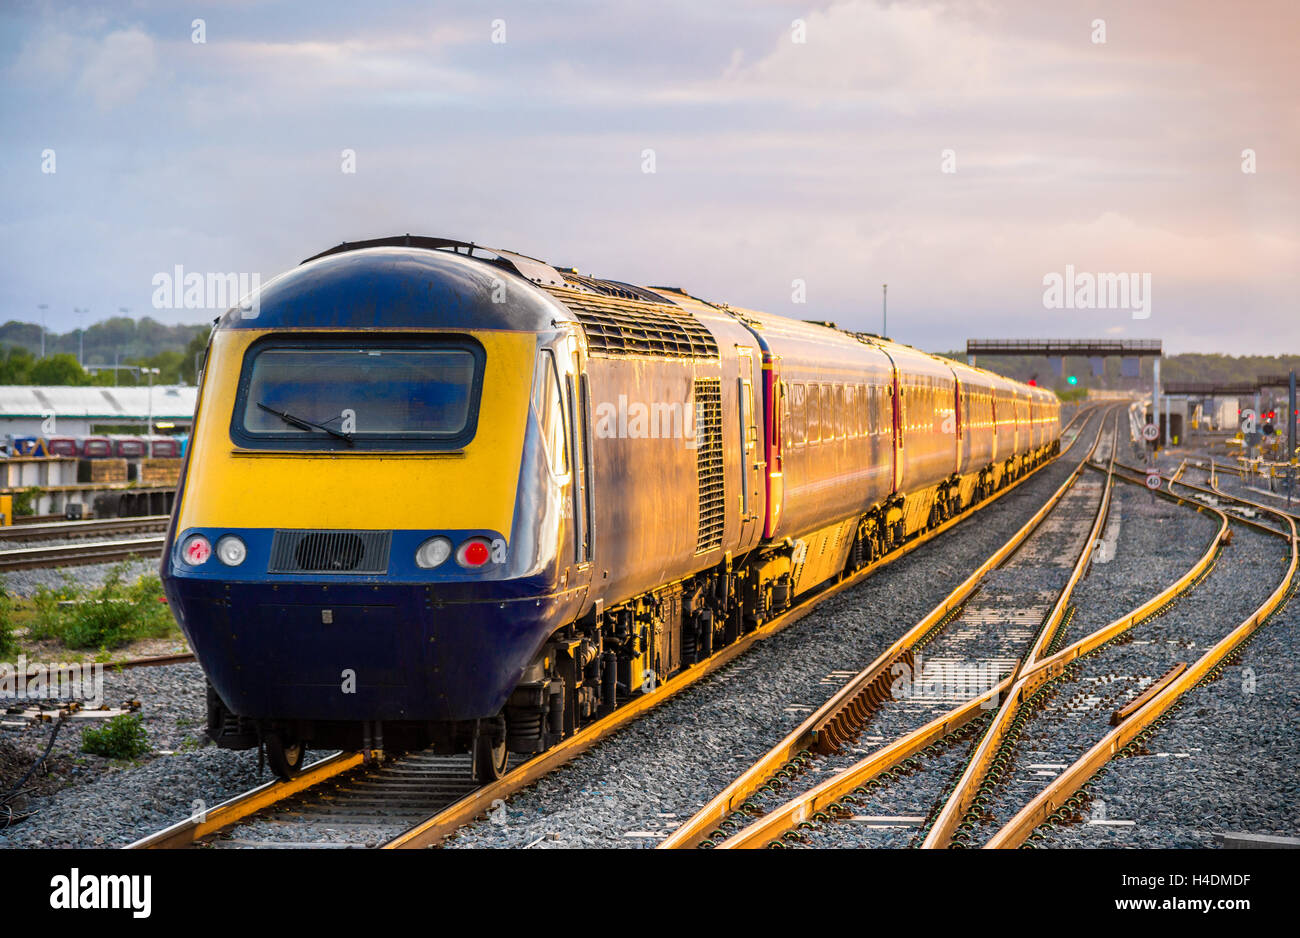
[{"x": 364, "y": 542}]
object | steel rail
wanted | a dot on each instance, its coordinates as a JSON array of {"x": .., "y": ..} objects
[
  {"x": 798, "y": 810},
  {"x": 964, "y": 792},
  {"x": 432, "y": 831},
  {"x": 186, "y": 832},
  {"x": 1053, "y": 665},
  {"x": 1218, "y": 493},
  {"x": 151, "y": 661},
  {"x": 1136, "y": 477},
  {"x": 1022, "y": 825},
  {"x": 24, "y": 558},
  {"x": 91, "y": 528},
  {"x": 778, "y": 822},
  {"x": 858, "y": 696},
  {"x": 1214, "y": 484},
  {"x": 819, "y": 798}
]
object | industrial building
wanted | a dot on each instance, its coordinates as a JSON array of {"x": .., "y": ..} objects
[{"x": 83, "y": 411}]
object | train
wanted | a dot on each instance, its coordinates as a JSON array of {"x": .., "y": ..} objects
[
  {"x": 444, "y": 495},
  {"x": 95, "y": 447}
]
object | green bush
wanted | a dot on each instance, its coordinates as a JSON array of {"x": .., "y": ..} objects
[
  {"x": 122, "y": 737},
  {"x": 48, "y": 619},
  {"x": 153, "y": 615},
  {"x": 25, "y": 501},
  {"x": 109, "y": 617},
  {"x": 8, "y": 645}
]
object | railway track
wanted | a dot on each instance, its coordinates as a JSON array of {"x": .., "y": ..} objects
[
  {"x": 1064, "y": 800},
  {"x": 343, "y": 800},
  {"x": 1054, "y": 721},
  {"x": 26, "y": 558},
  {"x": 72, "y": 530},
  {"x": 105, "y": 540},
  {"x": 1022, "y": 586}
]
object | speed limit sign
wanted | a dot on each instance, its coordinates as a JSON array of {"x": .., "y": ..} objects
[
  {"x": 1150, "y": 432},
  {"x": 1153, "y": 480}
]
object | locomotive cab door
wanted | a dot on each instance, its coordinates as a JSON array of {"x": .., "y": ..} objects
[
  {"x": 577, "y": 399},
  {"x": 752, "y": 461}
]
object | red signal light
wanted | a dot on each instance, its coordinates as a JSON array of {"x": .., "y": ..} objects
[{"x": 1033, "y": 383}]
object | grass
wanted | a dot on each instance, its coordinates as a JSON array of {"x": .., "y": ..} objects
[
  {"x": 122, "y": 737},
  {"x": 111, "y": 616},
  {"x": 8, "y": 644}
]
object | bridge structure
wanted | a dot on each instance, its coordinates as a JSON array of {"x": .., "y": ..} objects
[{"x": 1129, "y": 351}]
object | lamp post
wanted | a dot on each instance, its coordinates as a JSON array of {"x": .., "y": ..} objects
[
  {"x": 43, "y": 307},
  {"x": 884, "y": 311},
  {"x": 150, "y": 372},
  {"x": 81, "y": 337}
]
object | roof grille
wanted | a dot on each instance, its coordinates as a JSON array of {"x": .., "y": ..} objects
[
  {"x": 329, "y": 552},
  {"x": 614, "y": 288},
  {"x": 708, "y": 463},
  {"x": 620, "y": 328}
]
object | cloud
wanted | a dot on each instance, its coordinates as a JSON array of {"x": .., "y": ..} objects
[
  {"x": 118, "y": 67},
  {"x": 111, "y": 69}
]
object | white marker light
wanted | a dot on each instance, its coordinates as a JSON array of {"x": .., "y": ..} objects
[
  {"x": 231, "y": 550},
  {"x": 433, "y": 552}
]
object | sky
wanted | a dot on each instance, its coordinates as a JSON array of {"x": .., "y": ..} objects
[{"x": 785, "y": 156}]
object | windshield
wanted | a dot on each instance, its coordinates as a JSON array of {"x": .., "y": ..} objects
[{"x": 382, "y": 395}]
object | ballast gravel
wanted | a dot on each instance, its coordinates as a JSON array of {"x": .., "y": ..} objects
[
  {"x": 88, "y": 576},
  {"x": 111, "y": 803}
]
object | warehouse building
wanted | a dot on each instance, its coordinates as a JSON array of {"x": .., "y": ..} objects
[{"x": 84, "y": 411}]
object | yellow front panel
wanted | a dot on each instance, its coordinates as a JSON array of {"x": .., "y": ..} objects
[{"x": 237, "y": 488}]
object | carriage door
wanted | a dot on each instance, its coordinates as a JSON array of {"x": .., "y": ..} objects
[
  {"x": 899, "y": 417},
  {"x": 578, "y": 405},
  {"x": 774, "y": 401},
  {"x": 751, "y": 461}
]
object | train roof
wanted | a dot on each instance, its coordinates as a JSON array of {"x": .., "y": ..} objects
[
  {"x": 394, "y": 286},
  {"x": 390, "y": 282}
]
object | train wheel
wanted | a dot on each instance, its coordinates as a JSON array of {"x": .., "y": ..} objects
[
  {"x": 285, "y": 759},
  {"x": 490, "y": 755}
]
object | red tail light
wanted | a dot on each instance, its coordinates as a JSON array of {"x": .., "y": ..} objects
[{"x": 474, "y": 553}]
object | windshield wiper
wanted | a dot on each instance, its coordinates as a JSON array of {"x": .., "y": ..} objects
[{"x": 302, "y": 424}]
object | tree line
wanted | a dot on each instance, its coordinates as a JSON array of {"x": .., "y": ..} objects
[{"x": 145, "y": 344}]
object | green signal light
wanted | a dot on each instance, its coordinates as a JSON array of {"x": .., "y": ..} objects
[{"x": 1072, "y": 379}]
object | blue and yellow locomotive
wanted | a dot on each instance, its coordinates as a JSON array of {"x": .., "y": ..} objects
[{"x": 440, "y": 494}]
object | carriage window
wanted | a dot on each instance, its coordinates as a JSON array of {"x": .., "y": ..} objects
[
  {"x": 799, "y": 414},
  {"x": 783, "y": 413},
  {"x": 814, "y": 414}
]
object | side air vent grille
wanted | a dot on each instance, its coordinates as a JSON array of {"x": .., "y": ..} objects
[
  {"x": 628, "y": 328},
  {"x": 708, "y": 463},
  {"x": 329, "y": 552},
  {"x": 614, "y": 288}
]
